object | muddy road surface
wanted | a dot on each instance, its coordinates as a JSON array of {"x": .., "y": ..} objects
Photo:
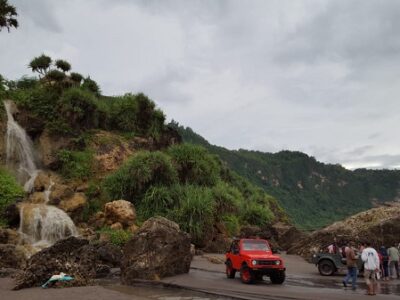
[
  {"x": 303, "y": 282},
  {"x": 207, "y": 280}
]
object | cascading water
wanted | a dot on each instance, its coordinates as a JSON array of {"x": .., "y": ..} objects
[
  {"x": 41, "y": 225},
  {"x": 20, "y": 151}
]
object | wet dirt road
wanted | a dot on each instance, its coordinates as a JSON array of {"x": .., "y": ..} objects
[
  {"x": 303, "y": 282},
  {"x": 207, "y": 281}
]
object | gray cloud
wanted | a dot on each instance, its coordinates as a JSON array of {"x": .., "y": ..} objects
[{"x": 314, "y": 76}]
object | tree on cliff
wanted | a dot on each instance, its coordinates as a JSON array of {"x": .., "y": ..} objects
[
  {"x": 40, "y": 64},
  {"x": 7, "y": 15}
]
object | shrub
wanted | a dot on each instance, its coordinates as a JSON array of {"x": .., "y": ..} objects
[
  {"x": 256, "y": 214},
  {"x": 159, "y": 200},
  {"x": 91, "y": 86},
  {"x": 10, "y": 190},
  {"x": 76, "y": 78},
  {"x": 78, "y": 108},
  {"x": 232, "y": 224},
  {"x": 195, "y": 164},
  {"x": 123, "y": 111},
  {"x": 194, "y": 212},
  {"x": 142, "y": 171},
  {"x": 228, "y": 199},
  {"x": 76, "y": 164},
  {"x": 134, "y": 113},
  {"x": 55, "y": 75},
  {"x": 118, "y": 237}
]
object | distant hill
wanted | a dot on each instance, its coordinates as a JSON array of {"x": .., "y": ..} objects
[{"x": 314, "y": 194}]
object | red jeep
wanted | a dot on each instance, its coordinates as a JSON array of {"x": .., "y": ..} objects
[{"x": 254, "y": 259}]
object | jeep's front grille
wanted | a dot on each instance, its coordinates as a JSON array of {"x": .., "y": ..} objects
[{"x": 266, "y": 262}]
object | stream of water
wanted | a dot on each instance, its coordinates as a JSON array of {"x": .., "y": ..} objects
[{"x": 41, "y": 225}]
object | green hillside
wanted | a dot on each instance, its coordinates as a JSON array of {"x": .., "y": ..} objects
[
  {"x": 119, "y": 147},
  {"x": 313, "y": 193}
]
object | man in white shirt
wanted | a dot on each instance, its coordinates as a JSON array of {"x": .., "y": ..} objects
[{"x": 371, "y": 267}]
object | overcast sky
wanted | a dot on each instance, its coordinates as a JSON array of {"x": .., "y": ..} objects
[{"x": 318, "y": 76}]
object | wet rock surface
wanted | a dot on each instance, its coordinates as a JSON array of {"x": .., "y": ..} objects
[
  {"x": 73, "y": 256},
  {"x": 158, "y": 249}
]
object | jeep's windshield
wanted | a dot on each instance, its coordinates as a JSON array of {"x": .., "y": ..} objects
[{"x": 250, "y": 245}]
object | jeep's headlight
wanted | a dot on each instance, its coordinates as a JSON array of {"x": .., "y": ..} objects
[
  {"x": 253, "y": 262},
  {"x": 277, "y": 262}
]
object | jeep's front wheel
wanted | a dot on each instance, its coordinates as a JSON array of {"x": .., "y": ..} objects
[
  {"x": 230, "y": 271},
  {"x": 246, "y": 275},
  {"x": 278, "y": 277},
  {"x": 326, "y": 267}
]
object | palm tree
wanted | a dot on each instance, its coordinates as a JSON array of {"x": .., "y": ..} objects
[{"x": 7, "y": 15}]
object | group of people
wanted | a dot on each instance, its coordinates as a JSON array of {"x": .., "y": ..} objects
[{"x": 382, "y": 264}]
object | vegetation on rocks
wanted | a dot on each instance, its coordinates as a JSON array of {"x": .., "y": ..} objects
[
  {"x": 68, "y": 104},
  {"x": 117, "y": 237},
  {"x": 190, "y": 186},
  {"x": 10, "y": 191}
]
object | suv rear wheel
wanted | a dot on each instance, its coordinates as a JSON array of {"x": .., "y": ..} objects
[
  {"x": 246, "y": 275},
  {"x": 230, "y": 271},
  {"x": 326, "y": 267}
]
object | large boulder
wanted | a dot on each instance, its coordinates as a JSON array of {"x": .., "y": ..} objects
[
  {"x": 158, "y": 249},
  {"x": 73, "y": 256},
  {"x": 120, "y": 211},
  {"x": 286, "y": 235}
]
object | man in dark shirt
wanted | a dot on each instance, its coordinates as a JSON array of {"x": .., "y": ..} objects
[{"x": 351, "y": 261}]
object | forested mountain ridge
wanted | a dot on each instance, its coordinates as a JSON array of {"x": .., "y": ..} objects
[{"x": 314, "y": 194}]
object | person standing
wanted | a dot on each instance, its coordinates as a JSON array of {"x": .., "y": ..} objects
[
  {"x": 384, "y": 262},
  {"x": 371, "y": 267},
  {"x": 351, "y": 261},
  {"x": 393, "y": 253}
]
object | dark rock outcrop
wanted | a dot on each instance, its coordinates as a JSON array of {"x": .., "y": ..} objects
[
  {"x": 109, "y": 254},
  {"x": 11, "y": 256},
  {"x": 286, "y": 235},
  {"x": 72, "y": 256},
  {"x": 9, "y": 236},
  {"x": 11, "y": 214},
  {"x": 157, "y": 250}
]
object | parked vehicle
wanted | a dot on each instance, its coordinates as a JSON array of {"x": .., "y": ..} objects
[
  {"x": 330, "y": 263},
  {"x": 254, "y": 259}
]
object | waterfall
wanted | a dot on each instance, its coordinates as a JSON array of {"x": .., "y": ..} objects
[
  {"x": 41, "y": 225},
  {"x": 20, "y": 151}
]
